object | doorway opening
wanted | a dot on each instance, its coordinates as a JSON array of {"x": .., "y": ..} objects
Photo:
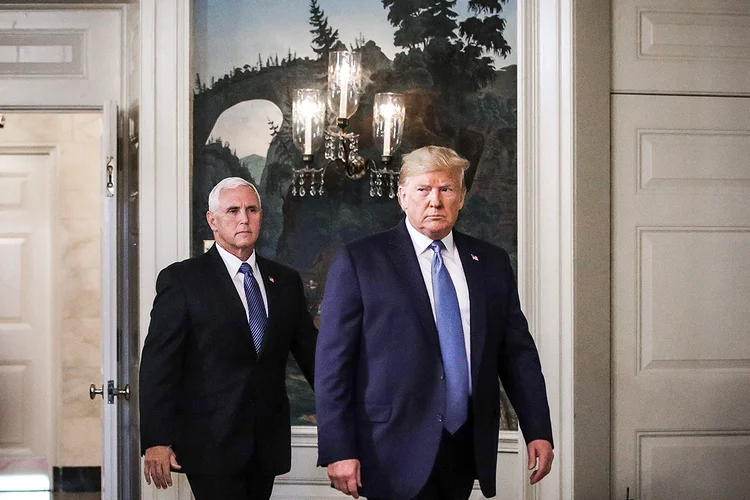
[{"x": 50, "y": 301}]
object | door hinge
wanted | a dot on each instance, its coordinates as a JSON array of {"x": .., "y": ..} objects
[{"x": 110, "y": 176}]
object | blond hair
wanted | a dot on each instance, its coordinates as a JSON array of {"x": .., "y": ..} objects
[{"x": 433, "y": 159}]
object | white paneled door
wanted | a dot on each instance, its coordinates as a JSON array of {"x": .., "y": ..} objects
[
  {"x": 26, "y": 315},
  {"x": 680, "y": 297},
  {"x": 681, "y": 46}
]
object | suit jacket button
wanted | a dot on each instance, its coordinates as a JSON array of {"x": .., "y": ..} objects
[
  {"x": 440, "y": 417},
  {"x": 442, "y": 376}
]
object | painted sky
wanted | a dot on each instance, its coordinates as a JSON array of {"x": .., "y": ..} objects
[{"x": 231, "y": 33}]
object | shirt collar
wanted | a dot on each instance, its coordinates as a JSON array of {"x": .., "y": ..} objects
[
  {"x": 233, "y": 263},
  {"x": 422, "y": 242}
]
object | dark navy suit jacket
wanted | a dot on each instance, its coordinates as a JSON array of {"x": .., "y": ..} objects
[
  {"x": 379, "y": 384},
  {"x": 203, "y": 389}
]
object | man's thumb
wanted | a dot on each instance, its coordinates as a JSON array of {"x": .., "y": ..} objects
[{"x": 532, "y": 460}]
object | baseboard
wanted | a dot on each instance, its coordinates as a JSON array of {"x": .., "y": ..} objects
[{"x": 77, "y": 479}]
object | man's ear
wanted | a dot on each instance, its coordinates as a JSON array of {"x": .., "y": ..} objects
[
  {"x": 400, "y": 194},
  {"x": 210, "y": 220}
]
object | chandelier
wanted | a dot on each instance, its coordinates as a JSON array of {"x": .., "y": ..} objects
[{"x": 341, "y": 147}]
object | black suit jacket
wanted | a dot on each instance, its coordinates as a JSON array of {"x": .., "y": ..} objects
[
  {"x": 203, "y": 389},
  {"x": 380, "y": 391}
]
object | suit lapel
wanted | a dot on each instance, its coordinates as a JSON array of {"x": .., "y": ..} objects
[
  {"x": 407, "y": 269},
  {"x": 472, "y": 264},
  {"x": 227, "y": 289}
]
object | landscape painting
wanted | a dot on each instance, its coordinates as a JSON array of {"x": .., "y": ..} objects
[{"x": 453, "y": 60}]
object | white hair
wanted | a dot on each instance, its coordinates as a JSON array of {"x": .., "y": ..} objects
[{"x": 228, "y": 183}]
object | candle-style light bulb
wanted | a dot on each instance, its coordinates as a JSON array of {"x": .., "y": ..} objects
[
  {"x": 388, "y": 115},
  {"x": 344, "y": 88},
  {"x": 307, "y": 117},
  {"x": 387, "y": 111},
  {"x": 308, "y": 111}
]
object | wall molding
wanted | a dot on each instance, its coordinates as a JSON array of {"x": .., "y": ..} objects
[
  {"x": 164, "y": 162},
  {"x": 164, "y": 146},
  {"x": 545, "y": 229}
]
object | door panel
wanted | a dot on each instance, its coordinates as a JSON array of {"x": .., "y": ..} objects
[
  {"x": 680, "y": 295},
  {"x": 26, "y": 314},
  {"x": 681, "y": 46},
  {"x": 68, "y": 57}
]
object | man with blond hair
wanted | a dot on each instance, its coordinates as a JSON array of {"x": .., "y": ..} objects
[
  {"x": 418, "y": 327},
  {"x": 212, "y": 387}
]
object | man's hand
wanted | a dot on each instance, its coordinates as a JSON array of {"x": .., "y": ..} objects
[
  {"x": 345, "y": 476},
  {"x": 540, "y": 449},
  {"x": 157, "y": 463}
]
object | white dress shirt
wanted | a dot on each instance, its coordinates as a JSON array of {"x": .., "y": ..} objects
[
  {"x": 452, "y": 262},
  {"x": 233, "y": 268}
]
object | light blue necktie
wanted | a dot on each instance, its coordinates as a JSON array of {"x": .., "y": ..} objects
[
  {"x": 451, "y": 335},
  {"x": 257, "y": 318}
]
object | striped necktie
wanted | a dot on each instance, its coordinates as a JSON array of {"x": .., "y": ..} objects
[{"x": 257, "y": 317}]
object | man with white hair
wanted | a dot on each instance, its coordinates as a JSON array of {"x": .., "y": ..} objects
[{"x": 213, "y": 397}]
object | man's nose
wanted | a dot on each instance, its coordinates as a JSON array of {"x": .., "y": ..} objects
[
  {"x": 434, "y": 198},
  {"x": 244, "y": 217}
]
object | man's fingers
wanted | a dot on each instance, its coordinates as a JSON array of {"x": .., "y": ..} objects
[
  {"x": 539, "y": 474},
  {"x": 346, "y": 486},
  {"x": 351, "y": 485},
  {"x": 158, "y": 464},
  {"x": 341, "y": 485},
  {"x": 345, "y": 476},
  {"x": 163, "y": 475},
  {"x": 532, "y": 458},
  {"x": 156, "y": 475},
  {"x": 545, "y": 465},
  {"x": 152, "y": 469},
  {"x": 166, "y": 475},
  {"x": 540, "y": 457}
]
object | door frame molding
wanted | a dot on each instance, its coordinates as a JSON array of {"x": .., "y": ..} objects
[
  {"x": 544, "y": 213},
  {"x": 563, "y": 184},
  {"x": 564, "y": 230},
  {"x": 64, "y": 103}
]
